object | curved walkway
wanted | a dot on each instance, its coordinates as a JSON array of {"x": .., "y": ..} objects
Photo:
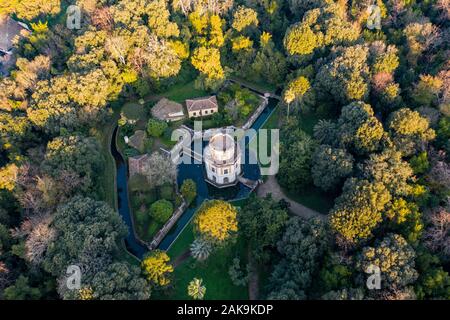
[{"x": 271, "y": 186}]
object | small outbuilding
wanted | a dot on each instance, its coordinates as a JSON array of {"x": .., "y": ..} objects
[
  {"x": 201, "y": 107},
  {"x": 167, "y": 110},
  {"x": 136, "y": 164}
]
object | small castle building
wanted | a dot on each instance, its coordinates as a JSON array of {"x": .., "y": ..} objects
[{"x": 222, "y": 159}]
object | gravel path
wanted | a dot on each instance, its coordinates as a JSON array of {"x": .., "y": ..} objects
[{"x": 271, "y": 186}]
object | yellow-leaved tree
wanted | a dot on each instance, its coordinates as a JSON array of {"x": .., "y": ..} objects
[
  {"x": 216, "y": 221},
  {"x": 157, "y": 268}
]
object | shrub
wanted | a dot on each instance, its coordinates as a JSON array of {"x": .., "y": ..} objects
[
  {"x": 156, "y": 128},
  {"x": 161, "y": 210},
  {"x": 189, "y": 190}
]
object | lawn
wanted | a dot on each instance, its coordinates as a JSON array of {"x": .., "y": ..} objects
[
  {"x": 313, "y": 198},
  {"x": 180, "y": 92},
  {"x": 307, "y": 121},
  {"x": 107, "y": 178},
  {"x": 259, "y": 86},
  {"x": 214, "y": 271}
]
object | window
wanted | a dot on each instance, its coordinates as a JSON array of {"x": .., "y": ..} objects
[
  {"x": 225, "y": 171},
  {"x": 206, "y": 111},
  {"x": 213, "y": 170},
  {"x": 194, "y": 114}
]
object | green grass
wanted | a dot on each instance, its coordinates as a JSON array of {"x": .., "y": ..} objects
[
  {"x": 307, "y": 121},
  {"x": 214, "y": 271},
  {"x": 106, "y": 178},
  {"x": 273, "y": 121},
  {"x": 134, "y": 111},
  {"x": 180, "y": 92},
  {"x": 313, "y": 198},
  {"x": 260, "y": 86},
  {"x": 183, "y": 242}
]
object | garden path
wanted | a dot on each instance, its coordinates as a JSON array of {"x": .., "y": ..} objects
[{"x": 271, "y": 186}]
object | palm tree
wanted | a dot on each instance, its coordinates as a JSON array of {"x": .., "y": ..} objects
[
  {"x": 196, "y": 290},
  {"x": 201, "y": 249}
]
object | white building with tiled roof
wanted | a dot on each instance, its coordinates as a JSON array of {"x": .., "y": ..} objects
[{"x": 201, "y": 107}]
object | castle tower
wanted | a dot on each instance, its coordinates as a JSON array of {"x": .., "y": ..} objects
[{"x": 222, "y": 159}]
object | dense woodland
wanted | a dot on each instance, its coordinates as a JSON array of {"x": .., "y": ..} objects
[{"x": 380, "y": 147}]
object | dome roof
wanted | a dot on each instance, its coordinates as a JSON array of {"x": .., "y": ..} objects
[
  {"x": 221, "y": 142},
  {"x": 222, "y": 148}
]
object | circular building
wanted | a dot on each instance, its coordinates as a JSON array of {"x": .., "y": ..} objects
[{"x": 222, "y": 159}]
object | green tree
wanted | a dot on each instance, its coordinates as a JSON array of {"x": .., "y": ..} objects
[
  {"x": 301, "y": 248},
  {"x": 74, "y": 154},
  {"x": 88, "y": 233},
  {"x": 21, "y": 290},
  {"x": 358, "y": 210},
  {"x": 359, "y": 129},
  {"x": 345, "y": 77},
  {"x": 395, "y": 258},
  {"x": 330, "y": 166},
  {"x": 161, "y": 210},
  {"x": 262, "y": 222},
  {"x": 296, "y": 151},
  {"x": 155, "y": 127},
  {"x": 189, "y": 190}
]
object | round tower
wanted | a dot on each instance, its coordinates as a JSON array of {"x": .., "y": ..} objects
[{"x": 222, "y": 159}]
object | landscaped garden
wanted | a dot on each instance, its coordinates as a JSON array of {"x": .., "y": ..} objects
[{"x": 214, "y": 270}]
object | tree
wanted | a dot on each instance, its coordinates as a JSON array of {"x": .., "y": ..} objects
[
  {"x": 155, "y": 127},
  {"x": 161, "y": 210},
  {"x": 75, "y": 154},
  {"x": 390, "y": 169},
  {"x": 394, "y": 257},
  {"x": 410, "y": 131},
  {"x": 262, "y": 222},
  {"x": 88, "y": 233},
  {"x": 295, "y": 90},
  {"x": 196, "y": 289},
  {"x": 158, "y": 19},
  {"x": 216, "y": 221},
  {"x": 238, "y": 276},
  {"x": 296, "y": 150},
  {"x": 159, "y": 170},
  {"x": 357, "y": 211},
  {"x": 244, "y": 17},
  {"x": 207, "y": 61},
  {"x": 21, "y": 290},
  {"x": 120, "y": 281},
  {"x": 300, "y": 247},
  {"x": 346, "y": 76},
  {"x": 420, "y": 36},
  {"x": 8, "y": 177},
  {"x": 161, "y": 59},
  {"x": 437, "y": 233},
  {"x": 330, "y": 166},
  {"x": 157, "y": 268},
  {"x": 200, "y": 249},
  {"x": 358, "y": 129},
  {"x": 269, "y": 63},
  {"x": 30, "y": 9},
  {"x": 189, "y": 190},
  {"x": 301, "y": 40}
]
